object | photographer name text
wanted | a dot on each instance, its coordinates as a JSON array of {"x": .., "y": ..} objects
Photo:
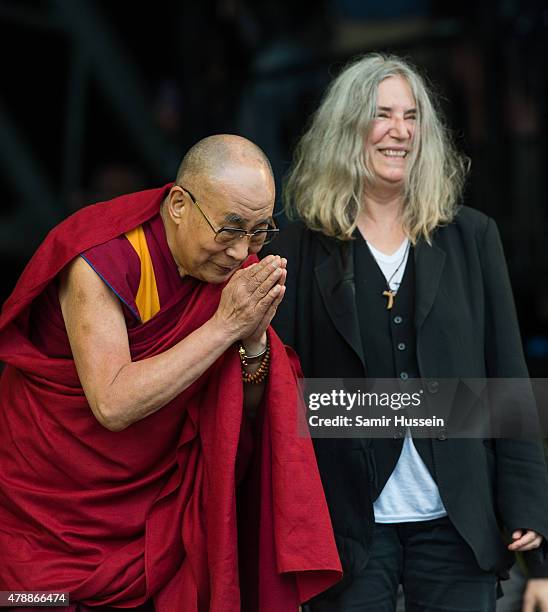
[{"x": 315, "y": 420}]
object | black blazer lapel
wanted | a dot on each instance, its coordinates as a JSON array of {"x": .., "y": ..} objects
[
  {"x": 429, "y": 262},
  {"x": 335, "y": 278}
]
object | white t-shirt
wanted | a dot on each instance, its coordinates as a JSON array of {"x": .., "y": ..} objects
[{"x": 410, "y": 494}]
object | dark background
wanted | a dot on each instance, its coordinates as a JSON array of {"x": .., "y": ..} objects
[{"x": 104, "y": 97}]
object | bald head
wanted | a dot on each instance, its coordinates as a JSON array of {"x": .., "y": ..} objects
[
  {"x": 224, "y": 182},
  {"x": 214, "y": 157}
]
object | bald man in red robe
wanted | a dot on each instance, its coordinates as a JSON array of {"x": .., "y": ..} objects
[{"x": 147, "y": 410}]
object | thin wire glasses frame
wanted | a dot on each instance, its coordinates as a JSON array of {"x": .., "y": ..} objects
[{"x": 228, "y": 235}]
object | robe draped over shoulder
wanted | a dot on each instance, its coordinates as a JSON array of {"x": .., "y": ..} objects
[{"x": 118, "y": 518}]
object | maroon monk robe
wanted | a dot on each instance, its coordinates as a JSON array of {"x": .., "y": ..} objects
[
  {"x": 149, "y": 512},
  {"x": 118, "y": 263}
]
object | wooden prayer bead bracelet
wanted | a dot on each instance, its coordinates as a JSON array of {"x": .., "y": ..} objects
[{"x": 260, "y": 375}]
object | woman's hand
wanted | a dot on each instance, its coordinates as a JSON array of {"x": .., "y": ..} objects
[
  {"x": 535, "y": 596},
  {"x": 525, "y": 539}
]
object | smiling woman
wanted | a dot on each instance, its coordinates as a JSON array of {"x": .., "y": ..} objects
[
  {"x": 390, "y": 137},
  {"x": 389, "y": 277},
  {"x": 375, "y": 99}
]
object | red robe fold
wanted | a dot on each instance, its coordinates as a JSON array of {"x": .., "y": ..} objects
[{"x": 117, "y": 518}]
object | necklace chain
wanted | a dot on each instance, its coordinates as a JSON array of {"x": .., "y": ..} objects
[
  {"x": 399, "y": 266},
  {"x": 391, "y": 294}
]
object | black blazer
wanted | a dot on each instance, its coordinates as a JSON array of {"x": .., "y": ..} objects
[{"x": 466, "y": 327}]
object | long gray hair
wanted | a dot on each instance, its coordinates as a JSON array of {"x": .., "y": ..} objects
[{"x": 330, "y": 169}]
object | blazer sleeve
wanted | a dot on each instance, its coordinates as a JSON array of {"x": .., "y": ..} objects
[
  {"x": 288, "y": 245},
  {"x": 522, "y": 481}
]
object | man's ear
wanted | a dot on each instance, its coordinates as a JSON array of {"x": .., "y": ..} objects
[{"x": 176, "y": 202}]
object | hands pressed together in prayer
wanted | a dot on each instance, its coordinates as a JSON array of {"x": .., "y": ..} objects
[
  {"x": 121, "y": 391},
  {"x": 250, "y": 299}
]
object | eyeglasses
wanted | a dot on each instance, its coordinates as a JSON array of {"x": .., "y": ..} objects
[{"x": 232, "y": 235}]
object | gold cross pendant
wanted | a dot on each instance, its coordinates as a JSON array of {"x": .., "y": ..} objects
[{"x": 390, "y": 295}]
